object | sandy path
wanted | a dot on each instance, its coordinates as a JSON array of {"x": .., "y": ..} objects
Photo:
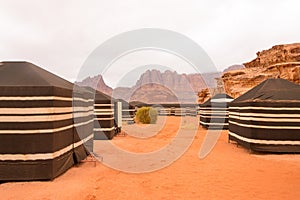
[{"x": 229, "y": 172}]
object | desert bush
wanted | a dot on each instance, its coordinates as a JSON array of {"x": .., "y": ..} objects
[{"x": 146, "y": 115}]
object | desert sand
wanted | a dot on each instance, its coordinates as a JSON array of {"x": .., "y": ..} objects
[{"x": 228, "y": 172}]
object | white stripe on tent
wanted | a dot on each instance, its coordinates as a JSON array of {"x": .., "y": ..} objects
[
  {"x": 257, "y": 141},
  {"x": 266, "y": 119},
  {"x": 264, "y": 127},
  {"x": 221, "y": 100},
  {"x": 83, "y": 109},
  {"x": 213, "y": 108},
  {"x": 265, "y": 108},
  {"x": 127, "y": 119},
  {"x": 208, "y": 123},
  {"x": 42, "y": 118},
  {"x": 43, "y": 110},
  {"x": 44, "y": 156},
  {"x": 48, "y": 117},
  {"x": 39, "y": 98},
  {"x": 103, "y": 105},
  {"x": 99, "y": 119},
  {"x": 212, "y": 116},
  {"x": 104, "y": 129},
  {"x": 213, "y": 112},
  {"x": 264, "y": 115},
  {"x": 44, "y": 130},
  {"x": 103, "y": 110}
]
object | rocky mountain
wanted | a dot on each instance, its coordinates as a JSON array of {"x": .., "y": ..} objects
[
  {"x": 155, "y": 86},
  {"x": 281, "y": 61},
  {"x": 96, "y": 82}
]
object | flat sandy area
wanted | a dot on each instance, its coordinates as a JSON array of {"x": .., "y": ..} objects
[{"x": 228, "y": 172}]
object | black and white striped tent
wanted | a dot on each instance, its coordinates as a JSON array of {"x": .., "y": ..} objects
[
  {"x": 39, "y": 138},
  {"x": 104, "y": 125},
  {"x": 214, "y": 112},
  {"x": 267, "y": 118},
  {"x": 128, "y": 111}
]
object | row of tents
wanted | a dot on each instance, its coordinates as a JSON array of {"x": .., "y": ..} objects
[
  {"x": 48, "y": 124},
  {"x": 265, "y": 119}
]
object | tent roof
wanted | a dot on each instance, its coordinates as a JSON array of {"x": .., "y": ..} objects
[
  {"x": 27, "y": 74},
  {"x": 223, "y": 98},
  {"x": 272, "y": 90}
]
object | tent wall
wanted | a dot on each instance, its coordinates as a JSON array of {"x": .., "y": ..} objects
[
  {"x": 118, "y": 116},
  {"x": 214, "y": 112},
  {"x": 128, "y": 112},
  {"x": 267, "y": 127},
  {"x": 36, "y": 133},
  {"x": 215, "y": 118},
  {"x": 104, "y": 127},
  {"x": 176, "y": 109},
  {"x": 42, "y": 134},
  {"x": 83, "y": 123}
]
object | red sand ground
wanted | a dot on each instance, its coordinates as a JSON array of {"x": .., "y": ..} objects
[{"x": 229, "y": 172}]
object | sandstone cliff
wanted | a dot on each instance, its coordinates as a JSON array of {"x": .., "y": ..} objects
[
  {"x": 281, "y": 61},
  {"x": 207, "y": 93}
]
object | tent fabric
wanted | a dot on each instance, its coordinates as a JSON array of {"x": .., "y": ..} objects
[
  {"x": 214, "y": 112},
  {"x": 128, "y": 111},
  {"x": 267, "y": 118},
  {"x": 39, "y": 139},
  {"x": 104, "y": 126}
]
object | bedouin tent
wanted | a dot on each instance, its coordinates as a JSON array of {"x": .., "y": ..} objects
[
  {"x": 177, "y": 109},
  {"x": 214, "y": 112},
  {"x": 267, "y": 117},
  {"x": 38, "y": 137},
  {"x": 104, "y": 124},
  {"x": 128, "y": 111}
]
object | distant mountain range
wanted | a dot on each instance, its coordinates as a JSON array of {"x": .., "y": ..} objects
[{"x": 155, "y": 86}]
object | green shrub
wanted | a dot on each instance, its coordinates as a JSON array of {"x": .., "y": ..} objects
[{"x": 146, "y": 115}]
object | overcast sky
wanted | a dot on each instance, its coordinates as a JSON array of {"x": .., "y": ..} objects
[{"x": 58, "y": 35}]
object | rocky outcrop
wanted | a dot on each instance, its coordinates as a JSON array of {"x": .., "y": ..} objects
[
  {"x": 98, "y": 83},
  {"x": 207, "y": 93},
  {"x": 281, "y": 61}
]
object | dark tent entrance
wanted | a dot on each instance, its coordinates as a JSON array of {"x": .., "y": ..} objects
[
  {"x": 214, "y": 112},
  {"x": 267, "y": 118},
  {"x": 39, "y": 138}
]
